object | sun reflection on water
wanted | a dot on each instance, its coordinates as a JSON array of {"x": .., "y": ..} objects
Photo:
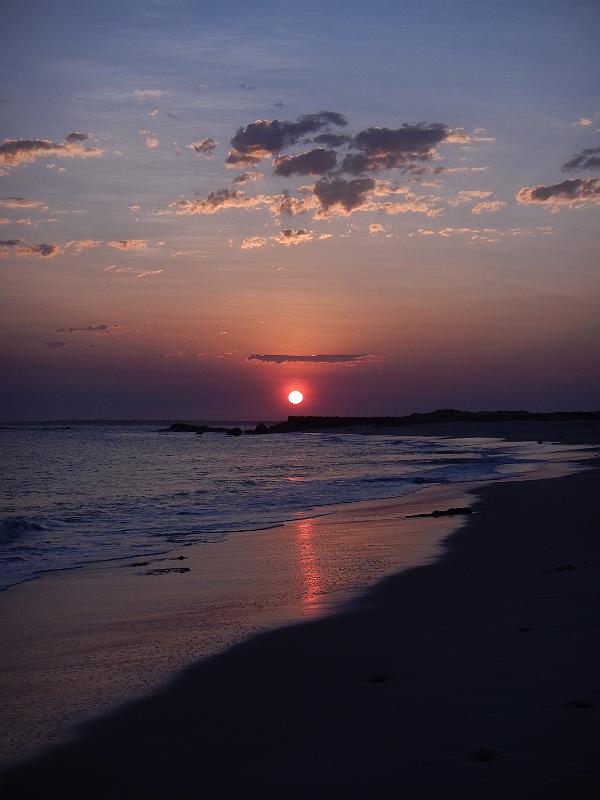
[{"x": 309, "y": 566}]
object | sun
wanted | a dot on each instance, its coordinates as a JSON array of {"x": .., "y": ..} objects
[{"x": 295, "y": 397}]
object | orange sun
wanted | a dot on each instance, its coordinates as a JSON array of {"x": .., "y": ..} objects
[{"x": 295, "y": 397}]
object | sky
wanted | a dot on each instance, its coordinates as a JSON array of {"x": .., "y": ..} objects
[{"x": 390, "y": 207}]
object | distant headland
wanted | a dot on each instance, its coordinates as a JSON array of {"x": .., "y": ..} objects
[{"x": 295, "y": 424}]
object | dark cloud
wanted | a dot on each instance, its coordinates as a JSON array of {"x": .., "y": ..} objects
[
  {"x": 586, "y": 159},
  {"x": 313, "y": 162},
  {"x": 264, "y": 137},
  {"x": 387, "y": 148},
  {"x": 14, "y": 152},
  {"x": 76, "y": 136},
  {"x": 102, "y": 328},
  {"x": 244, "y": 177},
  {"x": 56, "y": 344},
  {"x": 578, "y": 191},
  {"x": 349, "y": 358},
  {"x": 289, "y": 236},
  {"x": 332, "y": 139},
  {"x": 339, "y": 192},
  {"x": 203, "y": 146},
  {"x": 44, "y": 250},
  {"x": 239, "y": 160}
]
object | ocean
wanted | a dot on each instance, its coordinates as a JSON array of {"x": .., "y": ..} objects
[{"x": 83, "y": 493}]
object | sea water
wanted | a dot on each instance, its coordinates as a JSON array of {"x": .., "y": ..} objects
[{"x": 87, "y": 493}]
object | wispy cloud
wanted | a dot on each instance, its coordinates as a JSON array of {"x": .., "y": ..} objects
[
  {"x": 151, "y": 94},
  {"x": 20, "y": 202},
  {"x": 488, "y": 207},
  {"x": 101, "y": 328},
  {"x": 253, "y": 242},
  {"x": 128, "y": 244}
]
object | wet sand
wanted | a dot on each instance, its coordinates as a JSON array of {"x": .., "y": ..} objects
[
  {"x": 475, "y": 675},
  {"x": 78, "y": 642}
]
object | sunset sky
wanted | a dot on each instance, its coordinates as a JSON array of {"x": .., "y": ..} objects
[{"x": 391, "y": 207}]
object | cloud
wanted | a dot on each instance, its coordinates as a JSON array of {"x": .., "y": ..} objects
[
  {"x": 149, "y": 273},
  {"x": 386, "y": 148},
  {"x": 203, "y": 146},
  {"x": 56, "y": 167},
  {"x": 313, "y": 162},
  {"x": 332, "y": 139},
  {"x": 455, "y": 170},
  {"x": 76, "y": 136},
  {"x": 223, "y": 199},
  {"x": 340, "y": 197},
  {"x": 22, "y": 249},
  {"x": 151, "y": 94},
  {"x": 253, "y": 242},
  {"x": 264, "y": 137},
  {"x": 488, "y": 207},
  {"x": 20, "y": 221},
  {"x": 245, "y": 177},
  {"x": 349, "y": 358},
  {"x": 376, "y": 228},
  {"x": 583, "y": 122},
  {"x": 586, "y": 159},
  {"x": 102, "y": 328},
  {"x": 115, "y": 269},
  {"x": 56, "y": 344},
  {"x": 14, "y": 152},
  {"x": 578, "y": 192},
  {"x": 467, "y": 196},
  {"x": 152, "y": 142},
  {"x": 488, "y": 235},
  {"x": 288, "y": 236},
  {"x": 19, "y": 202},
  {"x": 79, "y": 245},
  {"x": 342, "y": 194},
  {"x": 128, "y": 244}
]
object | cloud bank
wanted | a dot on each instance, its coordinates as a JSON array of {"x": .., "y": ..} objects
[{"x": 348, "y": 358}]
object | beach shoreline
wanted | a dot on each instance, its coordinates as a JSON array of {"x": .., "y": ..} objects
[{"x": 428, "y": 499}]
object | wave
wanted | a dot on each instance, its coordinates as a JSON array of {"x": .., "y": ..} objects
[{"x": 13, "y": 528}]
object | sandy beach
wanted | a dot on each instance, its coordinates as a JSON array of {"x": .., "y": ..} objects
[{"x": 474, "y": 675}]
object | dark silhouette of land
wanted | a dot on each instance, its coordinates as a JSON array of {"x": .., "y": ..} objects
[
  {"x": 300, "y": 423},
  {"x": 442, "y": 422}
]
